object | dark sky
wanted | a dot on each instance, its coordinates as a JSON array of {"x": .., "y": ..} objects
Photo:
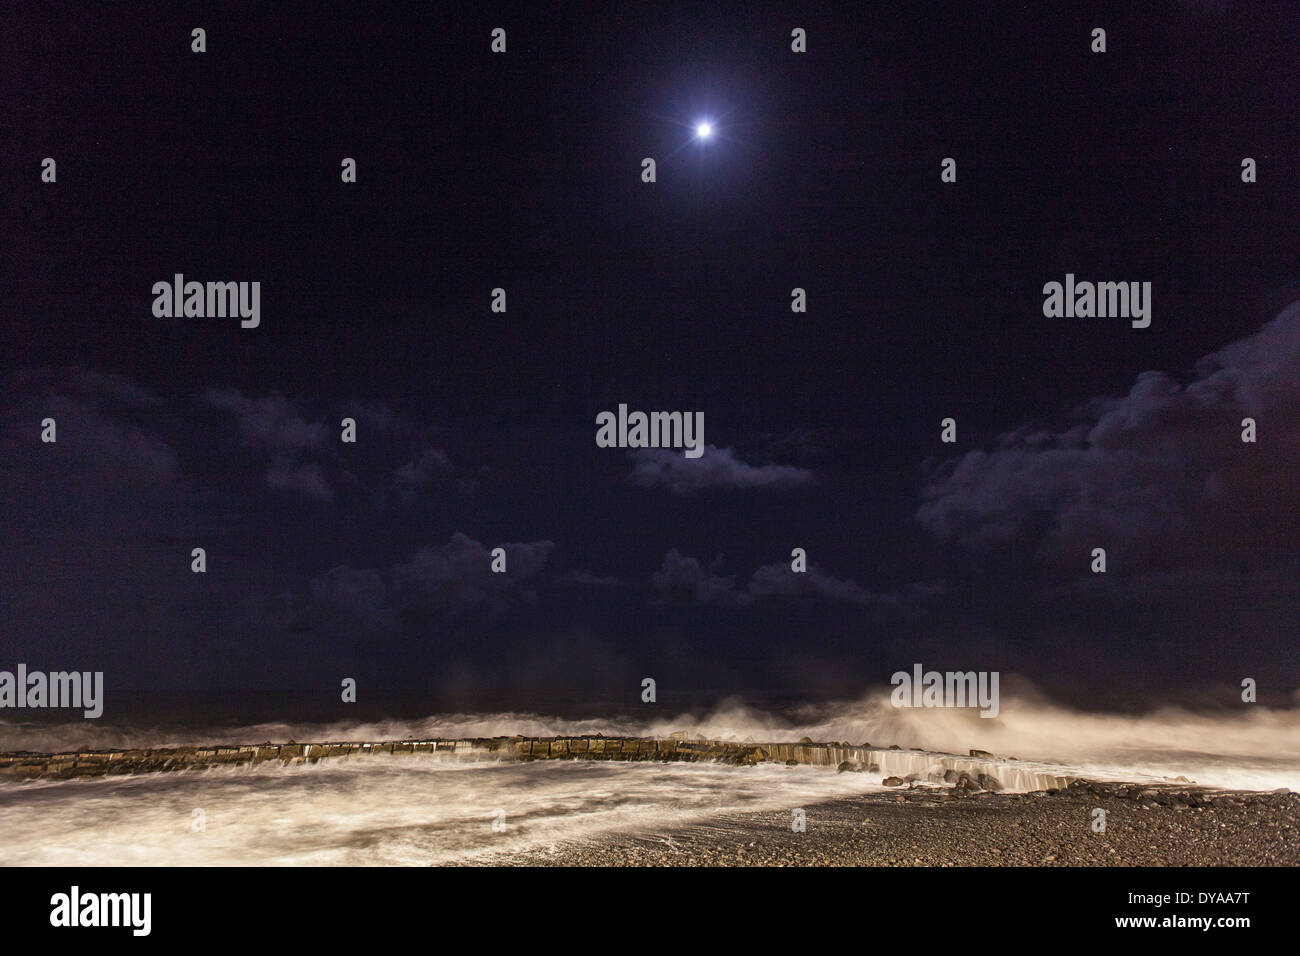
[{"x": 477, "y": 429}]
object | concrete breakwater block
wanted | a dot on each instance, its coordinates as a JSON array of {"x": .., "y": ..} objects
[{"x": 905, "y": 765}]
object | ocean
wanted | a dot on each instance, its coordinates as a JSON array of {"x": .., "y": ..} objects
[{"x": 435, "y": 809}]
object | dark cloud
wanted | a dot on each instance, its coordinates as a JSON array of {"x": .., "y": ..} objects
[
  {"x": 97, "y": 436},
  {"x": 1160, "y": 473},
  {"x": 305, "y": 478},
  {"x": 443, "y": 582},
  {"x": 378, "y": 417},
  {"x": 271, "y": 423},
  {"x": 425, "y": 464},
  {"x": 588, "y": 580},
  {"x": 95, "y": 549},
  {"x": 353, "y": 597},
  {"x": 683, "y": 579},
  {"x": 778, "y": 581},
  {"x": 798, "y": 443},
  {"x": 96, "y": 388},
  {"x": 308, "y": 457},
  {"x": 717, "y": 468},
  {"x": 464, "y": 564},
  {"x": 272, "y": 426}
]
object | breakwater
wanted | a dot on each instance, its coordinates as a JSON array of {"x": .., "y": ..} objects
[{"x": 893, "y": 765}]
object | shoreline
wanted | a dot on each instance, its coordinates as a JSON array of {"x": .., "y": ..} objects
[{"x": 1144, "y": 826}]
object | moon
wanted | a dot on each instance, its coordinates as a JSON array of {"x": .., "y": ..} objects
[{"x": 704, "y": 130}]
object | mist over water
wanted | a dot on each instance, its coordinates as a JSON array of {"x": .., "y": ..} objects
[{"x": 427, "y": 809}]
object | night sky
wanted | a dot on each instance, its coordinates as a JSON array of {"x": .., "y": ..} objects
[{"x": 476, "y": 429}]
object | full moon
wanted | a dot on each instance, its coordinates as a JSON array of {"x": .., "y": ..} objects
[{"x": 704, "y": 131}]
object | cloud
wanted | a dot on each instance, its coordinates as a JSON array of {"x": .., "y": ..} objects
[
  {"x": 269, "y": 423},
  {"x": 465, "y": 563},
  {"x": 112, "y": 426},
  {"x": 354, "y": 596},
  {"x": 273, "y": 427},
  {"x": 378, "y": 417},
  {"x": 96, "y": 388},
  {"x": 717, "y": 468},
  {"x": 683, "y": 579},
  {"x": 586, "y": 579},
  {"x": 98, "y": 526},
  {"x": 306, "y": 479},
  {"x": 1162, "y": 471},
  {"x": 101, "y": 424},
  {"x": 442, "y": 582},
  {"x": 425, "y": 464},
  {"x": 308, "y": 457},
  {"x": 778, "y": 581}
]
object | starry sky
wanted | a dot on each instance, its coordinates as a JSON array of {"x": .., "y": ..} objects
[{"x": 476, "y": 429}]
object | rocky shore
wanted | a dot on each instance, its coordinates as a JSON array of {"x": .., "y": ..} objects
[{"x": 1144, "y": 826}]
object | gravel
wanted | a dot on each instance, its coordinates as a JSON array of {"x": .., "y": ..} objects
[{"x": 1148, "y": 826}]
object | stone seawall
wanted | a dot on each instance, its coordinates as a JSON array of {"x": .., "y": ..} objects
[{"x": 982, "y": 771}]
